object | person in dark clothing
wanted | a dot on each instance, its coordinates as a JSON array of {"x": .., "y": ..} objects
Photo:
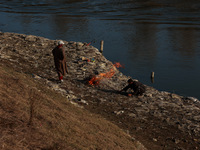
[
  {"x": 136, "y": 86},
  {"x": 60, "y": 60}
]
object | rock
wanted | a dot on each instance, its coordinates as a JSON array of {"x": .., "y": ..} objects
[
  {"x": 70, "y": 92},
  {"x": 36, "y": 76},
  {"x": 73, "y": 97},
  {"x": 102, "y": 65},
  {"x": 176, "y": 141},
  {"x": 155, "y": 140},
  {"x": 82, "y": 101},
  {"x": 148, "y": 95},
  {"x": 79, "y": 45},
  {"x": 132, "y": 115},
  {"x": 102, "y": 100},
  {"x": 2, "y": 56},
  {"x": 30, "y": 38},
  {"x": 119, "y": 112},
  {"x": 197, "y": 118},
  {"x": 75, "y": 104},
  {"x": 193, "y": 99},
  {"x": 133, "y": 139}
]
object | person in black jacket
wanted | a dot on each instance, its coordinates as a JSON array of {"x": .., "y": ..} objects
[{"x": 136, "y": 86}]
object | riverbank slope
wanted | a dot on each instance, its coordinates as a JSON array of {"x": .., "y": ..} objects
[{"x": 159, "y": 120}]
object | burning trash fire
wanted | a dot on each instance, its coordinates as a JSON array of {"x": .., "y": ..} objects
[{"x": 95, "y": 80}]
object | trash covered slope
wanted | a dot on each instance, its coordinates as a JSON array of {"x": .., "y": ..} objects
[{"x": 158, "y": 119}]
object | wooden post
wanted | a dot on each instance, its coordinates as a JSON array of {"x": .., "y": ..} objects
[
  {"x": 152, "y": 77},
  {"x": 152, "y": 74},
  {"x": 101, "y": 46}
]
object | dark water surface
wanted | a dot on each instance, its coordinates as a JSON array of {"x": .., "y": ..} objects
[{"x": 145, "y": 35}]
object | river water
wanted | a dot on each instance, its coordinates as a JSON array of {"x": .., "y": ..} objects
[{"x": 144, "y": 35}]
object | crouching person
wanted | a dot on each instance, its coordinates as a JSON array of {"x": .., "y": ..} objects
[{"x": 136, "y": 86}]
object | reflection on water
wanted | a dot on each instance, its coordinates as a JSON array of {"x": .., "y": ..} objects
[{"x": 145, "y": 35}]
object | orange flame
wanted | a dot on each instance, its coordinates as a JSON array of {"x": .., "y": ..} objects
[
  {"x": 96, "y": 79},
  {"x": 118, "y": 65}
]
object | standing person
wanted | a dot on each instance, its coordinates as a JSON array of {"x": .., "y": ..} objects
[
  {"x": 136, "y": 86},
  {"x": 60, "y": 60}
]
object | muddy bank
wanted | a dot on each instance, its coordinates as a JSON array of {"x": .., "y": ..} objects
[{"x": 159, "y": 120}]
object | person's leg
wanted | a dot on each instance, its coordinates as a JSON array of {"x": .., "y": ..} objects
[{"x": 60, "y": 76}]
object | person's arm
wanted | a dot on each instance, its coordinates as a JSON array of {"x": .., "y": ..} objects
[
  {"x": 125, "y": 88},
  {"x": 64, "y": 58}
]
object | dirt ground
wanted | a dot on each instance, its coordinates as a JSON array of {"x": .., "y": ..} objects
[{"x": 34, "y": 117}]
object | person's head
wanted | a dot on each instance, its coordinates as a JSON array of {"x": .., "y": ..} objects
[
  {"x": 130, "y": 81},
  {"x": 61, "y": 43}
]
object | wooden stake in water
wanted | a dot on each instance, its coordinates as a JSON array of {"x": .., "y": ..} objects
[
  {"x": 101, "y": 46},
  {"x": 152, "y": 77}
]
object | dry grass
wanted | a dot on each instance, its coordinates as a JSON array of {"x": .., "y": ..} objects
[{"x": 34, "y": 117}]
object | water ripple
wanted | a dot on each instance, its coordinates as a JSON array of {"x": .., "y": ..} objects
[{"x": 131, "y": 9}]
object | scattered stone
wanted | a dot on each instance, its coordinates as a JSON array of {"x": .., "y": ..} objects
[
  {"x": 36, "y": 76},
  {"x": 193, "y": 99},
  {"x": 75, "y": 104},
  {"x": 30, "y": 38},
  {"x": 119, "y": 112},
  {"x": 133, "y": 139},
  {"x": 132, "y": 115},
  {"x": 82, "y": 101},
  {"x": 155, "y": 140},
  {"x": 176, "y": 141}
]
